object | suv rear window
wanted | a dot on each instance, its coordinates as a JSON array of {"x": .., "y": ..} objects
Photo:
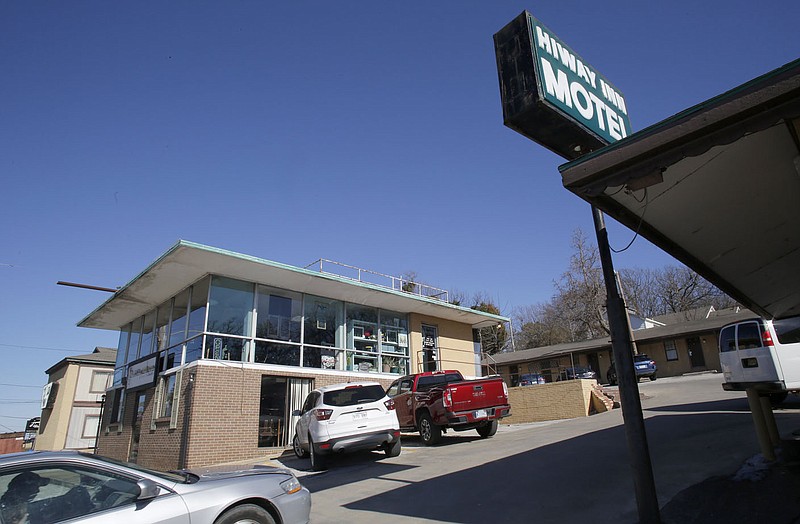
[
  {"x": 353, "y": 395},
  {"x": 641, "y": 358},
  {"x": 787, "y": 329}
]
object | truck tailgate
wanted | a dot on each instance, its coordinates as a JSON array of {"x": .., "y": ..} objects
[{"x": 477, "y": 394}]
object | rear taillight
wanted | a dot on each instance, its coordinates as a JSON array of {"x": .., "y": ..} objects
[
  {"x": 766, "y": 338},
  {"x": 652, "y": 362},
  {"x": 447, "y": 398},
  {"x": 389, "y": 403},
  {"x": 505, "y": 388},
  {"x": 323, "y": 414}
]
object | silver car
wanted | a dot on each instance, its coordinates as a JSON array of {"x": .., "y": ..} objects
[{"x": 43, "y": 487}]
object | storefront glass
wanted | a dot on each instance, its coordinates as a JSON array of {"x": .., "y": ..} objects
[{"x": 230, "y": 306}]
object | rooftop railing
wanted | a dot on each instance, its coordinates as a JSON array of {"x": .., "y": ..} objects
[{"x": 358, "y": 274}]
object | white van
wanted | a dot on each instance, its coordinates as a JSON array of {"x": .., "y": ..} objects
[{"x": 761, "y": 354}]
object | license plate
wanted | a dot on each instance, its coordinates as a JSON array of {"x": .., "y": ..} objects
[
  {"x": 359, "y": 416},
  {"x": 642, "y": 366},
  {"x": 481, "y": 413}
]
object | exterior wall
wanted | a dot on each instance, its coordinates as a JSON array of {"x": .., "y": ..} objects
[
  {"x": 669, "y": 368},
  {"x": 222, "y": 421},
  {"x": 54, "y": 422},
  {"x": 456, "y": 348},
  {"x": 64, "y": 425},
  {"x": 553, "y": 401}
]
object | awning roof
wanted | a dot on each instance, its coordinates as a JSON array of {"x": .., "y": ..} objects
[
  {"x": 187, "y": 262},
  {"x": 716, "y": 186}
]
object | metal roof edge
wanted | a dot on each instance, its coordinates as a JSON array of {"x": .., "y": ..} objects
[{"x": 748, "y": 87}]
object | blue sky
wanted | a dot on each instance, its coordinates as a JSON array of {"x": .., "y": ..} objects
[{"x": 364, "y": 132}]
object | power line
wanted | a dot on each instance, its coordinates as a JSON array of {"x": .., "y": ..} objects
[
  {"x": 19, "y": 386},
  {"x": 42, "y": 348}
]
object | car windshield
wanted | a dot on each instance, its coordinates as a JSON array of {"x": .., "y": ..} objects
[
  {"x": 641, "y": 358},
  {"x": 352, "y": 395},
  {"x": 170, "y": 477}
]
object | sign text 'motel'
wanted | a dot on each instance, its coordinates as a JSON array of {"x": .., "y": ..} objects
[{"x": 550, "y": 95}]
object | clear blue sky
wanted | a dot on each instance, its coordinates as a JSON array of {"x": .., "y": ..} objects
[{"x": 365, "y": 132}]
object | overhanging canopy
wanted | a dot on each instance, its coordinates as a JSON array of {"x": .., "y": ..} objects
[
  {"x": 717, "y": 187},
  {"x": 186, "y": 263}
]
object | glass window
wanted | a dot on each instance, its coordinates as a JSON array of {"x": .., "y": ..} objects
[
  {"x": 394, "y": 342},
  {"x": 168, "y": 395},
  {"x": 230, "y": 306},
  {"x": 324, "y": 358},
  {"x": 146, "y": 346},
  {"x": 63, "y": 492},
  {"x": 670, "y": 350},
  {"x": 171, "y": 358},
  {"x": 787, "y": 329},
  {"x": 273, "y": 353},
  {"x": 197, "y": 310},
  {"x": 727, "y": 339},
  {"x": 177, "y": 330},
  {"x": 100, "y": 381},
  {"x": 122, "y": 345},
  {"x": 749, "y": 335},
  {"x": 224, "y": 348},
  {"x": 353, "y": 395},
  {"x": 322, "y": 321},
  {"x": 162, "y": 326},
  {"x": 136, "y": 337},
  {"x": 279, "y": 314},
  {"x": 117, "y": 405},
  {"x": 194, "y": 349}
]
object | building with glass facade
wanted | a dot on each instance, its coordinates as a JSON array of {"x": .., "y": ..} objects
[{"x": 216, "y": 349}]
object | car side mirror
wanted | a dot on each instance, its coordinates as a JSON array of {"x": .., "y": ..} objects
[
  {"x": 147, "y": 489},
  {"x": 297, "y": 413}
]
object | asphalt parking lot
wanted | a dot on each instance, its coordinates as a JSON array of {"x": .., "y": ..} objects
[{"x": 564, "y": 471}]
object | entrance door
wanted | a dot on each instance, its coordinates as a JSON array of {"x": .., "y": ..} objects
[
  {"x": 696, "y": 352},
  {"x": 136, "y": 427},
  {"x": 430, "y": 348},
  {"x": 279, "y": 397}
]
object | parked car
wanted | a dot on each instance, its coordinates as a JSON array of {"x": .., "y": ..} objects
[
  {"x": 576, "y": 372},
  {"x": 643, "y": 366},
  {"x": 531, "y": 379},
  {"x": 343, "y": 418},
  {"x": 47, "y": 486},
  {"x": 434, "y": 401},
  {"x": 761, "y": 354}
]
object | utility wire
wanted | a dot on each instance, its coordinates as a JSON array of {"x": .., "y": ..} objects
[{"x": 43, "y": 349}]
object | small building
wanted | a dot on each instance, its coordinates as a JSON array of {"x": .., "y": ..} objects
[
  {"x": 72, "y": 401},
  {"x": 679, "y": 343},
  {"x": 217, "y": 349}
]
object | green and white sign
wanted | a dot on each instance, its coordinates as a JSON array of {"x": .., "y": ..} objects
[{"x": 576, "y": 89}]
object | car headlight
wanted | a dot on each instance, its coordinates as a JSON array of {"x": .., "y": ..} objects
[{"x": 291, "y": 486}]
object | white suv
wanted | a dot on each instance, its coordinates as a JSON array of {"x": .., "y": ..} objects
[{"x": 346, "y": 417}]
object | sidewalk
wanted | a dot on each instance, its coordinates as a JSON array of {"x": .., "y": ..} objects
[{"x": 758, "y": 493}]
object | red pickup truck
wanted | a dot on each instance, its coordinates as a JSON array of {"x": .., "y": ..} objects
[{"x": 433, "y": 401}]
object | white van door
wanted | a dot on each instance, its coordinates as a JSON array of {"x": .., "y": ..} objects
[
  {"x": 787, "y": 348},
  {"x": 743, "y": 356}
]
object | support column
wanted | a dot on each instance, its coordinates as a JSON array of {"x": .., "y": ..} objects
[
  {"x": 754, "y": 399},
  {"x": 769, "y": 420}
]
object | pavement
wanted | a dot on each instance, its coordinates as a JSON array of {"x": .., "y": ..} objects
[{"x": 759, "y": 492}]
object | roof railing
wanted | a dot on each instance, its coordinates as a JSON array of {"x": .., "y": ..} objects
[{"x": 379, "y": 279}]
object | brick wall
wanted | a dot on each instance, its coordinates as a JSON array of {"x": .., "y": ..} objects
[
  {"x": 552, "y": 401},
  {"x": 222, "y": 422}
]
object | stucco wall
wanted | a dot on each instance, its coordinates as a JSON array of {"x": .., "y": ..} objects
[{"x": 456, "y": 349}]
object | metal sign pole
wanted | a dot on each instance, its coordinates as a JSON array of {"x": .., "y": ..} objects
[{"x": 638, "y": 451}]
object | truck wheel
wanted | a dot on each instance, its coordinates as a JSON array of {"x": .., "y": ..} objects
[
  {"x": 318, "y": 462},
  {"x": 488, "y": 429},
  {"x": 430, "y": 433},
  {"x": 392, "y": 449}
]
